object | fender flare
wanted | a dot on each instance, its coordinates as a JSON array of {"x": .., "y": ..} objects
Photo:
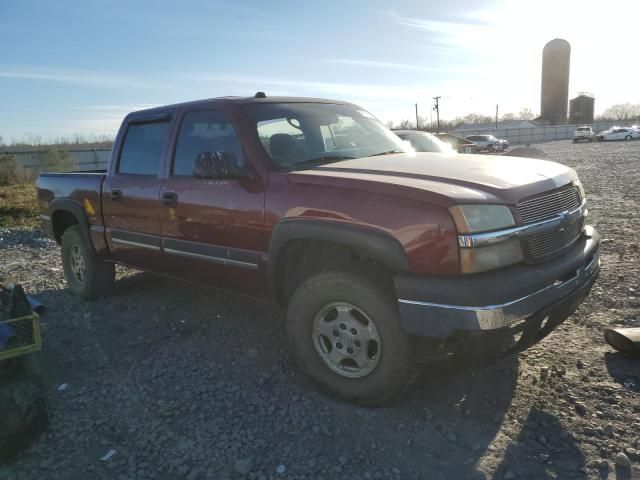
[
  {"x": 66, "y": 205},
  {"x": 375, "y": 243}
]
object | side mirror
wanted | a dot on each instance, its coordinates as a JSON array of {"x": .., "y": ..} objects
[{"x": 219, "y": 165}]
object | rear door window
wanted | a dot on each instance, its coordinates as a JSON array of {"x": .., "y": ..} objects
[
  {"x": 205, "y": 131},
  {"x": 142, "y": 148}
]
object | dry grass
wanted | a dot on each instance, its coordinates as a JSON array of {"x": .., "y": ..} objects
[{"x": 18, "y": 207}]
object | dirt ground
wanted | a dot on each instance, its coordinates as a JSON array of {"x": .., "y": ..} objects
[{"x": 188, "y": 383}]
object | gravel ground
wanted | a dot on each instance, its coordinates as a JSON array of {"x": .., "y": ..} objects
[{"x": 188, "y": 383}]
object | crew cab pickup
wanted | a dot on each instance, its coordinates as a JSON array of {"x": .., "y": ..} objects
[{"x": 379, "y": 256}]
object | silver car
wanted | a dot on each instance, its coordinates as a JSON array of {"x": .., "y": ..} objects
[{"x": 486, "y": 142}]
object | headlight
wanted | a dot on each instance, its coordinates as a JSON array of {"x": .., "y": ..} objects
[
  {"x": 580, "y": 188},
  {"x": 481, "y": 218},
  {"x": 481, "y": 259},
  {"x": 470, "y": 219}
]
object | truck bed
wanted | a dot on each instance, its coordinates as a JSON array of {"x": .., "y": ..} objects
[{"x": 82, "y": 189}]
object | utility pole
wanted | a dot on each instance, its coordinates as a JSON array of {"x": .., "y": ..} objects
[
  {"x": 496, "y": 116},
  {"x": 436, "y": 107},
  {"x": 417, "y": 126}
]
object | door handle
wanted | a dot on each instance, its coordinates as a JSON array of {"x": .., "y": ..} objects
[
  {"x": 170, "y": 199},
  {"x": 116, "y": 195}
]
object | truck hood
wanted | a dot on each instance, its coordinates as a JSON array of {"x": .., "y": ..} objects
[{"x": 458, "y": 177}]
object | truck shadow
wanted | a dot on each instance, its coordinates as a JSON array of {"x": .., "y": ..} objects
[
  {"x": 441, "y": 428},
  {"x": 624, "y": 369}
]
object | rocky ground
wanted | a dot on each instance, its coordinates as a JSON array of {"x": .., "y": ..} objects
[{"x": 168, "y": 381}]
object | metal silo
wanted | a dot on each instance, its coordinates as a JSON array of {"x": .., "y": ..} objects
[
  {"x": 555, "y": 81},
  {"x": 581, "y": 108}
]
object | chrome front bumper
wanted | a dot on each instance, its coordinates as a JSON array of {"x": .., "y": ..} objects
[{"x": 438, "y": 319}]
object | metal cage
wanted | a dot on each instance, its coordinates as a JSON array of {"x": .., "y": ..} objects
[{"x": 25, "y": 336}]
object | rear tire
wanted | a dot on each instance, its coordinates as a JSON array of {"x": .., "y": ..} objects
[
  {"x": 87, "y": 275},
  {"x": 333, "y": 312},
  {"x": 627, "y": 138}
]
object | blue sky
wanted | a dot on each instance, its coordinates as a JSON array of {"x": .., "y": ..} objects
[{"x": 79, "y": 66}]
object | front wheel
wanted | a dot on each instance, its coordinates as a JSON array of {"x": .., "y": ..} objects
[
  {"x": 87, "y": 275},
  {"x": 346, "y": 335},
  {"x": 627, "y": 138}
]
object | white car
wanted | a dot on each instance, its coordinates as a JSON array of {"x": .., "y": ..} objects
[
  {"x": 618, "y": 133},
  {"x": 583, "y": 134}
]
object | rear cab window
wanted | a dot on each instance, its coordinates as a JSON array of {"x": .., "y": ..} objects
[{"x": 142, "y": 148}]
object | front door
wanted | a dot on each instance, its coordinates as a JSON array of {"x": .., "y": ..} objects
[
  {"x": 212, "y": 229},
  {"x": 131, "y": 194}
]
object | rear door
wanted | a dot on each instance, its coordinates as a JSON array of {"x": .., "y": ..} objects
[
  {"x": 131, "y": 193},
  {"x": 618, "y": 134},
  {"x": 212, "y": 229}
]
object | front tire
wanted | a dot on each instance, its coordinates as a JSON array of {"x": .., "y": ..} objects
[
  {"x": 87, "y": 275},
  {"x": 627, "y": 138},
  {"x": 345, "y": 333}
]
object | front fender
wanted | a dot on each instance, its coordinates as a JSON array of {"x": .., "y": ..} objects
[{"x": 377, "y": 244}]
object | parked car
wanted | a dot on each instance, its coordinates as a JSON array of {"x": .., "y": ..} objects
[
  {"x": 424, "y": 141},
  {"x": 486, "y": 142},
  {"x": 618, "y": 133},
  {"x": 504, "y": 142},
  {"x": 315, "y": 205},
  {"x": 583, "y": 134}
]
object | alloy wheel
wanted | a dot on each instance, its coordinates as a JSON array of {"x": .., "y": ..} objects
[{"x": 346, "y": 339}]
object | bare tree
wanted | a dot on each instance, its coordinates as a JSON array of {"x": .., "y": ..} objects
[
  {"x": 508, "y": 116},
  {"x": 389, "y": 124},
  {"x": 33, "y": 139},
  {"x": 622, "y": 111},
  {"x": 473, "y": 118},
  {"x": 526, "y": 114},
  {"x": 406, "y": 125}
]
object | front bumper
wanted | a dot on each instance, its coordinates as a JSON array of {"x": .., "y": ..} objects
[{"x": 441, "y": 307}]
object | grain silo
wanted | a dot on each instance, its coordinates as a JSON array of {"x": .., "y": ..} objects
[
  {"x": 581, "y": 108},
  {"x": 555, "y": 81}
]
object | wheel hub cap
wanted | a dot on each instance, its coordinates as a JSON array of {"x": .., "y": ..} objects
[
  {"x": 78, "y": 265},
  {"x": 346, "y": 340}
]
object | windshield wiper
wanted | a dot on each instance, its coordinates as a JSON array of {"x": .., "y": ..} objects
[
  {"x": 314, "y": 162},
  {"x": 389, "y": 152}
]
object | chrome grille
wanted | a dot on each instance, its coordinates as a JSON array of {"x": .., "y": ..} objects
[
  {"x": 549, "y": 204},
  {"x": 547, "y": 244},
  {"x": 544, "y": 207}
]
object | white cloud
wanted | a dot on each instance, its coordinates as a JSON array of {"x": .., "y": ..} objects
[
  {"x": 290, "y": 86},
  {"x": 448, "y": 68},
  {"x": 78, "y": 77}
]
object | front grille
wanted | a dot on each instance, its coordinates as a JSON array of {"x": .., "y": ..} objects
[
  {"x": 545, "y": 245},
  {"x": 544, "y": 207},
  {"x": 548, "y": 204}
]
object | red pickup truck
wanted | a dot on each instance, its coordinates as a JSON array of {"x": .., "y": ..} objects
[{"x": 379, "y": 256}]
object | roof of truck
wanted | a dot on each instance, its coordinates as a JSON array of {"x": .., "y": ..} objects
[{"x": 241, "y": 101}]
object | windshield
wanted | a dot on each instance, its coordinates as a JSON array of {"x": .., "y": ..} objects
[
  {"x": 426, "y": 142},
  {"x": 306, "y": 134}
]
